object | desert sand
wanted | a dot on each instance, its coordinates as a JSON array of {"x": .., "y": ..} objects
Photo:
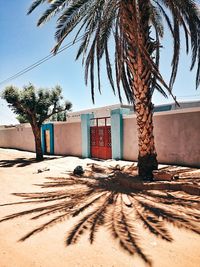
[{"x": 48, "y": 248}]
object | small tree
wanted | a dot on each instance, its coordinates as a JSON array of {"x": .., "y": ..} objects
[
  {"x": 61, "y": 116},
  {"x": 35, "y": 106},
  {"x": 21, "y": 119}
]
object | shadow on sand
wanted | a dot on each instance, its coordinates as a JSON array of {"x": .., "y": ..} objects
[
  {"x": 21, "y": 162},
  {"x": 117, "y": 201}
]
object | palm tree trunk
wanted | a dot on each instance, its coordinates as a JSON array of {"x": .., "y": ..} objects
[
  {"x": 140, "y": 80},
  {"x": 38, "y": 144},
  {"x": 147, "y": 161}
]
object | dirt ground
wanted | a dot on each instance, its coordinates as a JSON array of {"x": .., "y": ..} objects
[{"x": 19, "y": 173}]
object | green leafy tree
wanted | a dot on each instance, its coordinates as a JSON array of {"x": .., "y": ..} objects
[
  {"x": 61, "y": 116},
  {"x": 35, "y": 106},
  {"x": 21, "y": 119},
  {"x": 137, "y": 28}
]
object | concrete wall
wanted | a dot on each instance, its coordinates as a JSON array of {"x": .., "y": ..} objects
[
  {"x": 67, "y": 139},
  {"x": 177, "y": 137},
  {"x": 20, "y": 137},
  {"x": 130, "y": 143}
]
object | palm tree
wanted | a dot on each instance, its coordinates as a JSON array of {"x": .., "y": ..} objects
[{"x": 137, "y": 28}]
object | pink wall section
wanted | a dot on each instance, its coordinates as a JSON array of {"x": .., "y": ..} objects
[
  {"x": 177, "y": 137},
  {"x": 19, "y": 137},
  {"x": 130, "y": 143},
  {"x": 67, "y": 139}
]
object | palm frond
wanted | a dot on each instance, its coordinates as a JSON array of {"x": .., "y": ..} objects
[
  {"x": 123, "y": 21},
  {"x": 35, "y": 4},
  {"x": 55, "y": 8}
]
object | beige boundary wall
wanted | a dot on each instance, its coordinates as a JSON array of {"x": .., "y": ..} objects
[
  {"x": 67, "y": 139},
  {"x": 19, "y": 136},
  {"x": 177, "y": 137}
]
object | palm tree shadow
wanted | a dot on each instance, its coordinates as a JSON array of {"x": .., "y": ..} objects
[{"x": 116, "y": 201}]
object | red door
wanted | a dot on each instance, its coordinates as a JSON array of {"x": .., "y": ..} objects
[{"x": 100, "y": 140}]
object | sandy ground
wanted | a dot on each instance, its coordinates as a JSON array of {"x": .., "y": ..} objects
[{"x": 47, "y": 249}]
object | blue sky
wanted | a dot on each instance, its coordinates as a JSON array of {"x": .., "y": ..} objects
[{"x": 22, "y": 44}]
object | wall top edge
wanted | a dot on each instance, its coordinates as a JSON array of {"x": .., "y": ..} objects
[
  {"x": 27, "y": 125},
  {"x": 170, "y": 112},
  {"x": 16, "y": 126},
  {"x": 64, "y": 122}
]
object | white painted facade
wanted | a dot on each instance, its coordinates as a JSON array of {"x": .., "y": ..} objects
[{"x": 106, "y": 110}]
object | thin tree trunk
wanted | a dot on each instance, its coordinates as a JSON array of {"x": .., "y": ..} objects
[
  {"x": 38, "y": 144},
  {"x": 140, "y": 82}
]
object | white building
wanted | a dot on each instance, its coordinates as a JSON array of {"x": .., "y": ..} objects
[{"x": 105, "y": 111}]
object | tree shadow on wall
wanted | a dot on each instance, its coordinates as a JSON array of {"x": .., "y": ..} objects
[{"x": 118, "y": 202}]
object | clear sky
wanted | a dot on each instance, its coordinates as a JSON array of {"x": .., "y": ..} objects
[{"x": 22, "y": 44}]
